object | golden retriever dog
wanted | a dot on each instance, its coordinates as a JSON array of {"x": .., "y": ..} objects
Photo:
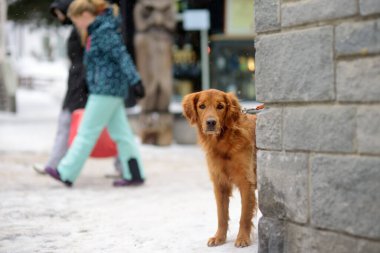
[{"x": 229, "y": 141}]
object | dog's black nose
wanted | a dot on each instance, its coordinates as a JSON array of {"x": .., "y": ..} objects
[{"x": 211, "y": 122}]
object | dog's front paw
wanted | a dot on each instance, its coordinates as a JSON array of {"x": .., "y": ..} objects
[
  {"x": 242, "y": 241},
  {"x": 216, "y": 241}
]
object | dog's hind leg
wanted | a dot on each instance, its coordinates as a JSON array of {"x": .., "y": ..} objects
[{"x": 222, "y": 197}]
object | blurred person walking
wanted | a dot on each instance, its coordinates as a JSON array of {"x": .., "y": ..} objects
[
  {"x": 110, "y": 74},
  {"x": 77, "y": 92}
]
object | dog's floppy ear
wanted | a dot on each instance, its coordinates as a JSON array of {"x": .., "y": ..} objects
[
  {"x": 233, "y": 109},
  {"x": 189, "y": 104}
]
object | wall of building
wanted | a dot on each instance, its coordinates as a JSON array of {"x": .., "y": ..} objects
[{"x": 318, "y": 70}]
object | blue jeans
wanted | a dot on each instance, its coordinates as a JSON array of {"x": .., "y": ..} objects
[{"x": 100, "y": 112}]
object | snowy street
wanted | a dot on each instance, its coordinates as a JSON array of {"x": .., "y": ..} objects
[{"x": 174, "y": 211}]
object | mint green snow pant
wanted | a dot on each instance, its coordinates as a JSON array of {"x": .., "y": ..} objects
[{"x": 100, "y": 112}]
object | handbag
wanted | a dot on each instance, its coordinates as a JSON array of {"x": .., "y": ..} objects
[{"x": 104, "y": 147}]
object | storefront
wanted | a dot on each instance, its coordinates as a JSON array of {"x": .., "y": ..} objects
[{"x": 230, "y": 48}]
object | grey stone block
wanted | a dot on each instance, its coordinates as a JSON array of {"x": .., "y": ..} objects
[
  {"x": 368, "y": 129},
  {"x": 359, "y": 80},
  {"x": 365, "y": 246},
  {"x": 277, "y": 197},
  {"x": 267, "y": 15},
  {"x": 268, "y": 129},
  {"x": 358, "y": 38},
  {"x": 271, "y": 235},
  {"x": 299, "y": 239},
  {"x": 302, "y": 12},
  {"x": 295, "y": 66},
  {"x": 345, "y": 194},
  {"x": 324, "y": 241},
  {"x": 368, "y": 7},
  {"x": 319, "y": 128}
]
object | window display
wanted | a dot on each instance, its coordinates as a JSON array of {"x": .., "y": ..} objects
[{"x": 232, "y": 66}]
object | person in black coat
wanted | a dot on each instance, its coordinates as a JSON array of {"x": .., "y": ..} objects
[{"x": 76, "y": 93}]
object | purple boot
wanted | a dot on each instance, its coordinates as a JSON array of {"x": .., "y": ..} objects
[
  {"x": 125, "y": 182},
  {"x": 136, "y": 177},
  {"x": 55, "y": 174}
]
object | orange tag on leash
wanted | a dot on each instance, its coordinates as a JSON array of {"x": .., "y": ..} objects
[
  {"x": 253, "y": 110},
  {"x": 260, "y": 107}
]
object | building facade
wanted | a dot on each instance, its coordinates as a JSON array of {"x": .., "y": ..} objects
[{"x": 318, "y": 71}]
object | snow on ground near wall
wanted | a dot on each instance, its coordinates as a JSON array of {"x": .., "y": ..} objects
[{"x": 173, "y": 212}]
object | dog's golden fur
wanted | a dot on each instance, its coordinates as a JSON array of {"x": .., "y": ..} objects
[{"x": 229, "y": 141}]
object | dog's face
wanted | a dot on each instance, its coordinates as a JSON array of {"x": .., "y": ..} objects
[{"x": 212, "y": 110}]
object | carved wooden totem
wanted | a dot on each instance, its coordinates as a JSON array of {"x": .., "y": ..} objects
[{"x": 155, "y": 23}]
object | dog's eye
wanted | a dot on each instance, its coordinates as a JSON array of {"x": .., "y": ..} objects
[
  {"x": 220, "y": 107},
  {"x": 202, "y": 106}
]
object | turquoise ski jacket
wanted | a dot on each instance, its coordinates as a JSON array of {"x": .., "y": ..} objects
[{"x": 109, "y": 67}]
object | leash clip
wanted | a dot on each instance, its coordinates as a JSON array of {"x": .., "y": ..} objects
[{"x": 253, "y": 110}]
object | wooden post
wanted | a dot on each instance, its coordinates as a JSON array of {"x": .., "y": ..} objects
[{"x": 155, "y": 23}]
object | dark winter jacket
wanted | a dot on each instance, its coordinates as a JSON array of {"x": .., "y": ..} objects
[
  {"x": 110, "y": 70},
  {"x": 77, "y": 91}
]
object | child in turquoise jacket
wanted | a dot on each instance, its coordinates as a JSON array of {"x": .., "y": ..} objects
[{"x": 110, "y": 74}]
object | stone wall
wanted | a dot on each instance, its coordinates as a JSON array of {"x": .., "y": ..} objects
[{"x": 318, "y": 71}]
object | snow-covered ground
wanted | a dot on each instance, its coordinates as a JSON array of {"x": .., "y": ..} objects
[{"x": 173, "y": 212}]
